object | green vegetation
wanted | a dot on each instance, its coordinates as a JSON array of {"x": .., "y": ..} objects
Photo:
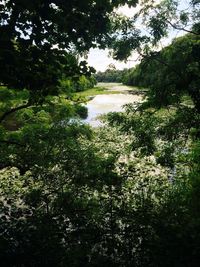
[
  {"x": 110, "y": 75},
  {"x": 80, "y": 84},
  {"x": 95, "y": 91},
  {"x": 126, "y": 194},
  {"x": 170, "y": 77}
]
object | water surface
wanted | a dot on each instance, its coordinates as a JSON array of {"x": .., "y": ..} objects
[{"x": 103, "y": 104}]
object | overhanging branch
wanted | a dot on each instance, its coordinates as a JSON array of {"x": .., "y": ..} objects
[
  {"x": 13, "y": 110},
  {"x": 181, "y": 28}
]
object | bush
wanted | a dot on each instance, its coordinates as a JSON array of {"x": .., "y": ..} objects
[{"x": 81, "y": 110}]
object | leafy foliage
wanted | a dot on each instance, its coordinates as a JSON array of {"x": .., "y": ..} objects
[
  {"x": 170, "y": 73},
  {"x": 158, "y": 19},
  {"x": 126, "y": 194},
  {"x": 110, "y": 75},
  {"x": 40, "y": 41}
]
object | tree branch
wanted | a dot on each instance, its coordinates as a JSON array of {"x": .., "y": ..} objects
[
  {"x": 13, "y": 110},
  {"x": 181, "y": 28}
]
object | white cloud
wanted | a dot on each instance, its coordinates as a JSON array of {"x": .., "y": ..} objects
[
  {"x": 127, "y": 11},
  {"x": 131, "y": 11}
]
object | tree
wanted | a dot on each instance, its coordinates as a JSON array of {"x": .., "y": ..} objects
[
  {"x": 156, "y": 20},
  {"x": 39, "y": 41},
  {"x": 170, "y": 73}
]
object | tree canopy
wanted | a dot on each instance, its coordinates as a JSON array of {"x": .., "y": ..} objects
[
  {"x": 154, "y": 21},
  {"x": 170, "y": 73},
  {"x": 40, "y": 40}
]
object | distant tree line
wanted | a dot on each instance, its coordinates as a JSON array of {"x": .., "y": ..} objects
[{"x": 111, "y": 75}]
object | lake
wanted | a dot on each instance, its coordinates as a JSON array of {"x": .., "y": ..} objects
[{"x": 103, "y": 104}]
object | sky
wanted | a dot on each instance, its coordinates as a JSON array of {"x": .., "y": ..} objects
[{"x": 100, "y": 59}]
